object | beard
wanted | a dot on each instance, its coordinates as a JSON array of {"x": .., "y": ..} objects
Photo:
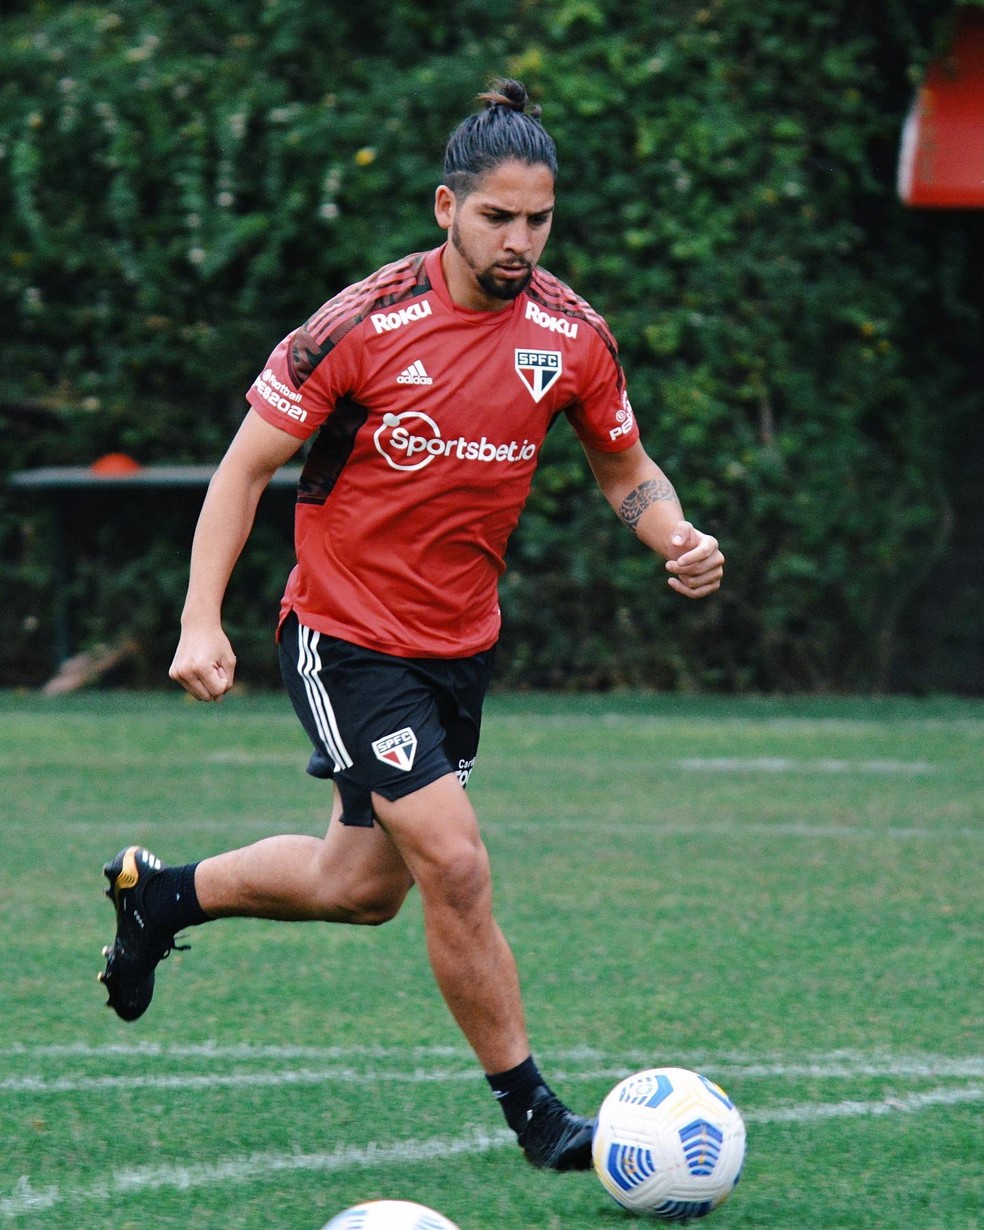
[
  {"x": 494, "y": 286},
  {"x": 500, "y": 289}
]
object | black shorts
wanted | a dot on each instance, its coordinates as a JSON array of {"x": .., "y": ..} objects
[{"x": 381, "y": 723}]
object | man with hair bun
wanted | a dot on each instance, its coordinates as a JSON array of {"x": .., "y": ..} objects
[{"x": 426, "y": 391}]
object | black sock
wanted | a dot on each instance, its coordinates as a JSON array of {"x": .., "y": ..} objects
[
  {"x": 514, "y": 1091},
  {"x": 171, "y": 899}
]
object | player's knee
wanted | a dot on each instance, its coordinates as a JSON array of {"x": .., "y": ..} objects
[
  {"x": 370, "y": 904},
  {"x": 462, "y": 879},
  {"x": 376, "y": 912}
]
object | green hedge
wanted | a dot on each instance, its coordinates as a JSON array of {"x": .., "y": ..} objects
[{"x": 181, "y": 186}]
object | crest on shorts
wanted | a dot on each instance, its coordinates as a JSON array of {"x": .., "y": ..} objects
[
  {"x": 538, "y": 369},
  {"x": 397, "y": 749}
]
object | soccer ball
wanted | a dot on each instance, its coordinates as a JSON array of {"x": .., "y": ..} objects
[
  {"x": 389, "y": 1215},
  {"x": 669, "y": 1143}
]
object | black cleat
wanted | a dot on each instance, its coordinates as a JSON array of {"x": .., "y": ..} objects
[
  {"x": 554, "y": 1137},
  {"x": 139, "y": 945}
]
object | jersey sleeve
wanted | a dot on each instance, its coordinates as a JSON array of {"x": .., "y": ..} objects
[
  {"x": 298, "y": 388},
  {"x": 602, "y": 416}
]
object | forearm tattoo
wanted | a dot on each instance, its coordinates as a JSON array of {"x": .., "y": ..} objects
[{"x": 637, "y": 501}]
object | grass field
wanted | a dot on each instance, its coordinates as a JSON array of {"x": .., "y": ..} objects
[{"x": 785, "y": 895}]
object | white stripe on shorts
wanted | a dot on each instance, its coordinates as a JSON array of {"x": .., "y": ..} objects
[{"x": 308, "y": 666}]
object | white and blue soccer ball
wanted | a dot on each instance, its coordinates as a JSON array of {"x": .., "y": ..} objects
[
  {"x": 670, "y": 1144},
  {"x": 389, "y": 1215}
]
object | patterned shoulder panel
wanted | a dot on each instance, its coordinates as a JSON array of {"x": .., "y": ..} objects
[
  {"x": 393, "y": 283},
  {"x": 556, "y": 296}
]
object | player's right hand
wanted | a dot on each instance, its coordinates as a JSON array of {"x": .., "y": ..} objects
[
  {"x": 697, "y": 564},
  {"x": 204, "y": 664}
]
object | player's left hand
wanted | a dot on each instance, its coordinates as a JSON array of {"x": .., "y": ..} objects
[{"x": 697, "y": 566}]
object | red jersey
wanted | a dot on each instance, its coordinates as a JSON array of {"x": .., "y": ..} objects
[{"x": 428, "y": 421}]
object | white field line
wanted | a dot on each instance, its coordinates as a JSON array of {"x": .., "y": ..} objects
[
  {"x": 835, "y": 1064},
  {"x": 657, "y": 829},
  {"x": 740, "y": 717},
  {"x": 908, "y": 1103},
  {"x": 259, "y": 1167},
  {"x": 724, "y": 764},
  {"x": 246, "y": 1168},
  {"x": 243, "y": 1050},
  {"x": 240, "y": 756},
  {"x": 786, "y": 764},
  {"x": 230, "y": 1080},
  {"x": 649, "y": 827},
  {"x": 834, "y": 1067}
]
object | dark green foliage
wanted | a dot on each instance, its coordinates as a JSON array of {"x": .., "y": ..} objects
[{"x": 180, "y": 185}]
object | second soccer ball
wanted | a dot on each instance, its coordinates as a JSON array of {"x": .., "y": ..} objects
[{"x": 389, "y": 1215}]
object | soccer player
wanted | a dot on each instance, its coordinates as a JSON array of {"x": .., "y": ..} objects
[{"x": 426, "y": 390}]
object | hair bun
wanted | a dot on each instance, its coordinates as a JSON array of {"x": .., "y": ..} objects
[{"x": 506, "y": 92}]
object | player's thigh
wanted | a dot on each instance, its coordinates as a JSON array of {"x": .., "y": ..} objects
[
  {"x": 366, "y": 869},
  {"x": 435, "y": 830}
]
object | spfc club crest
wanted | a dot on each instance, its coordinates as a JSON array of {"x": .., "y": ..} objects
[
  {"x": 538, "y": 370},
  {"x": 397, "y": 749}
]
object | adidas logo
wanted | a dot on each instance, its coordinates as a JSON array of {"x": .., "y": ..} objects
[{"x": 414, "y": 374}]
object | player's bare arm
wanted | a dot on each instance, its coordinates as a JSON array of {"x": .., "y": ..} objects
[
  {"x": 640, "y": 498},
  {"x": 204, "y": 663},
  {"x": 644, "y": 500}
]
